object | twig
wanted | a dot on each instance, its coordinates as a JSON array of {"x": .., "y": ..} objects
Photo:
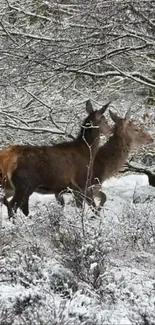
[
  {"x": 136, "y": 76},
  {"x": 28, "y": 13},
  {"x": 113, "y": 53},
  {"x": 8, "y": 33},
  {"x": 32, "y": 129},
  {"x": 44, "y": 104},
  {"x": 13, "y": 117},
  {"x": 38, "y": 37},
  {"x": 51, "y": 118}
]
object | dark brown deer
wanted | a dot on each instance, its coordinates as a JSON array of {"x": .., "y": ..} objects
[
  {"x": 113, "y": 154},
  {"x": 52, "y": 169}
]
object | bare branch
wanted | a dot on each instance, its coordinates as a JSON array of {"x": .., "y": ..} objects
[
  {"x": 134, "y": 76},
  {"x": 12, "y": 117},
  {"x": 41, "y": 102},
  {"x": 28, "y": 13},
  {"x": 37, "y": 37},
  {"x": 7, "y": 32},
  {"x": 137, "y": 77},
  {"x": 32, "y": 129},
  {"x": 26, "y": 121},
  {"x": 140, "y": 14}
]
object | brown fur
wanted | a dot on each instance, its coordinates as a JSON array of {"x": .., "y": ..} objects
[
  {"x": 113, "y": 154},
  {"x": 52, "y": 168}
]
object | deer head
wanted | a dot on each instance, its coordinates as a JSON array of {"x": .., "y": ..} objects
[
  {"x": 130, "y": 130},
  {"x": 96, "y": 119}
]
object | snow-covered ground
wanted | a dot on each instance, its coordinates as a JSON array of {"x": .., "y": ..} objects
[{"x": 71, "y": 267}]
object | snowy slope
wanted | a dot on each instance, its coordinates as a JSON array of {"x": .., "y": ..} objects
[{"x": 56, "y": 271}]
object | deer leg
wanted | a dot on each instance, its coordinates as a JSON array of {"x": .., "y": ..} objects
[
  {"x": 92, "y": 192},
  {"x": 60, "y": 199},
  {"x": 90, "y": 197},
  {"x": 9, "y": 208},
  {"x": 78, "y": 194},
  {"x": 23, "y": 190},
  {"x": 102, "y": 197},
  {"x": 20, "y": 200},
  {"x": 21, "y": 197},
  {"x": 25, "y": 207},
  {"x": 79, "y": 197}
]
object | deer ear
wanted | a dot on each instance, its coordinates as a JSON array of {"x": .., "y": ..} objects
[
  {"x": 89, "y": 107},
  {"x": 128, "y": 114},
  {"x": 103, "y": 108},
  {"x": 114, "y": 117}
]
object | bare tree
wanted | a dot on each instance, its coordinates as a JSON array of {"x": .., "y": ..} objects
[{"x": 54, "y": 55}]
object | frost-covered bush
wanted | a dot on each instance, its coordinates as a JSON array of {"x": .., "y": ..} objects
[{"x": 56, "y": 269}]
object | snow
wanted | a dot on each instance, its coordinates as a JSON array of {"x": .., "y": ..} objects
[
  {"x": 50, "y": 274},
  {"x": 128, "y": 181}
]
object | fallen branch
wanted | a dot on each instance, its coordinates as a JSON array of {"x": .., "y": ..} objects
[{"x": 140, "y": 169}]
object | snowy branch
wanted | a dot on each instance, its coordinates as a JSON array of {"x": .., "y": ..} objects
[
  {"x": 134, "y": 76},
  {"x": 32, "y": 129}
]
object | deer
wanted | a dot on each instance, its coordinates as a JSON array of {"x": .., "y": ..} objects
[
  {"x": 112, "y": 156},
  {"x": 52, "y": 169}
]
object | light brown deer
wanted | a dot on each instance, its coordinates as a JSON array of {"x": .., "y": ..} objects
[
  {"x": 113, "y": 154},
  {"x": 51, "y": 169}
]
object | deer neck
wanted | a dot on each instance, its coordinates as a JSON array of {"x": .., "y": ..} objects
[
  {"x": 112, "y": 156},
  {"x": 91, "y": 146},
  {"x": 3, "y": 156},
  {"x": 89, "y": 141}
]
